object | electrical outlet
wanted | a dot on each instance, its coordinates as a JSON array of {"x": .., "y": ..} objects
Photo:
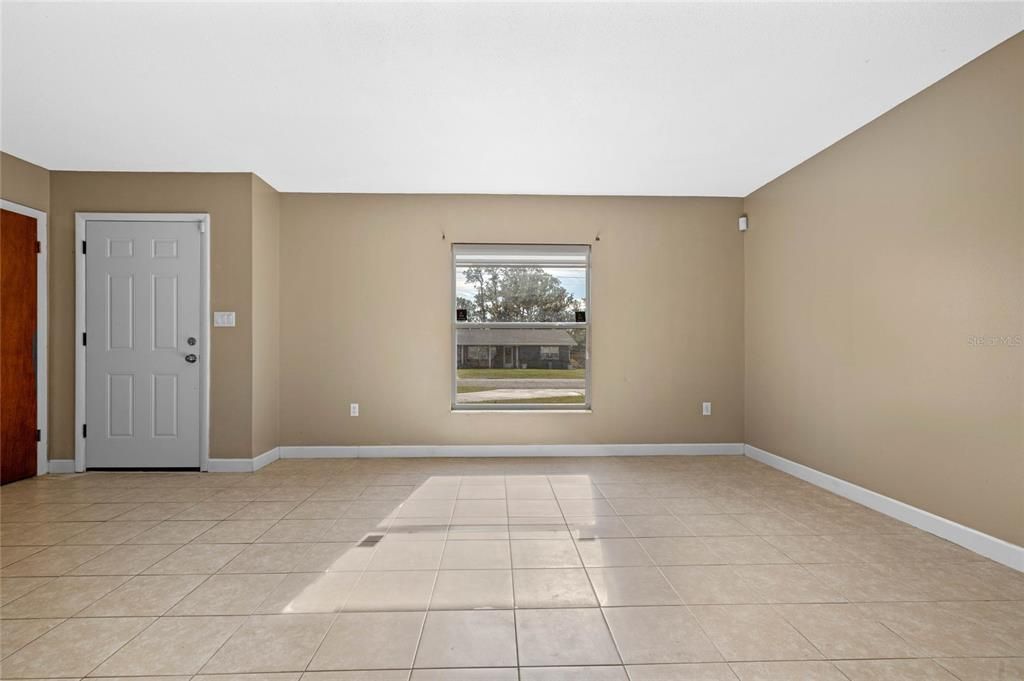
[
  {"x": 706, "y": 409},
  {"x": 353, "y": 409}
]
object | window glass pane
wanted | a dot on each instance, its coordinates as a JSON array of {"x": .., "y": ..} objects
[
  {"x": 520, "y": 293},
  {"x": 521, "y": 366}
]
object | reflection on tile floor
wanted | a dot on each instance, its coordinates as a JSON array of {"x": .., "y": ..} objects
[{"x": 590, "y": 569}]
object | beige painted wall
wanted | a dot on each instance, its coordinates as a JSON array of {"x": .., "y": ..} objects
[
  {"x": 25, "y": 183},
  {"x": 227, "y": 197},
  {"x": 266, "y": 322},
  {"x": 366, "y": 309},
  {"x": 868, "y": 270}
]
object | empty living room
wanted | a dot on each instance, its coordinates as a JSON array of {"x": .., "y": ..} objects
[{"x": 511, "y": 341}]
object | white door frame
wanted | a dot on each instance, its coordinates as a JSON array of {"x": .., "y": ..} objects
[
  {"x": 81, "y": 221},
  {"x": 42, "y": 340}
]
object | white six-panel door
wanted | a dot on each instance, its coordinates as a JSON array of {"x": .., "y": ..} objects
[{"x": 144, "y": 352}]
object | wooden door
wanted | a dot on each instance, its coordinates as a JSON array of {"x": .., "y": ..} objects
[{"x": 18, "y": 249}]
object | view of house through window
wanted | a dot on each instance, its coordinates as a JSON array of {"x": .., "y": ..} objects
[{"x": 521, "y": 326}]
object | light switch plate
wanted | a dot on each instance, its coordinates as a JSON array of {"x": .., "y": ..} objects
[
  {"x": 706, "y": 409},
  {"x": 223, "y": 318}
]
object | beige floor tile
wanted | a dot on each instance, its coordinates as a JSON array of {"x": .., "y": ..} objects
[
  {"x": 476, "y": 508},
  {"x": 812, "y": 549},
  {"x": 61, "y": 597},
  {"x": 472, "y": 589},
  {"x": 72, "y": 649},
  {"x": 980, "y": 669},
  {"x": 944, "y": 630},
  {"x": 867, "y": 582},
  {"x": 234, "y": 532},
  {"x": 296, "y": 531},
  {"x": 711, "y": 585},
  {"x": 16, "y": 587},
  {"x": 564, "y": 636},
  {"x": 202, "y": 559},
  {"x": 467, "y": 639},
  {"x": 40, "y": 534},
  {"x": 659, "y": 635},
  {"x": 600, "y": 527},
  {"x": 53, "y": 561},
  {"x": 787, "y": 671},
  {"x": 752, "y": 632},
  {"x": 227, "y": 595},
  {"x": 312, "y": 510},
  {"x": 277, "y": 676},
  {"x": 745, "y": 550},
  {"x": 544, "y": 553},
  {"x": 155, "y": 511},
  {"x": 172, "y": 532},
  {"x": 172, "y": 645},
  {"x": 624, "y": 552},
  {"x": 713, "y": 525},
  {"x": 895, "y": 670},
  {"x": 787, "y": 584},
  {"x": 772, "y": 523},
  {"x": 402, "y": 555},
  {"x": 130, "y": 559},
  {"x": 12, "y": 554},
  {"x": 370, "y": 640},
  {"x": 211, "y": 510},
  {"x": 844, "y": 632},
  {"x": 266, "y": 559},
  {"x": 656, "y": 526},
  {"x": 631, "y": 586},
  {"x": 331, "y": 557},
  {"x": 495, "y": 491},
  {"x": 309, "y": 593},
  {"x": 264, "y": 510},
  {"x": 553, "y": 588},
  {"x": 270, "y": 643},
  {"x": 145, "y": 595},
  {"x": 464, "y": 675},
  {"x": 111, "y": 532},
  {"x": 383, "y": 591},
  {"x": 586, "y": 508},
  {"x": 679, "y": 551},
  {"x": 364, "y": 675},
  {"x": 426, "y": 508},
  {"x": 534, "y": 508},
  {"x": 612, "y": 673},
  {"x": 684, "y": 672},
  {"x": 15, "y": 634},
  {"x": 476, "y": 555},
  {"x": 638, "y": 506}
]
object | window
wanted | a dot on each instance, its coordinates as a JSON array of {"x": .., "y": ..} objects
[{"x": 521, "y": 327}]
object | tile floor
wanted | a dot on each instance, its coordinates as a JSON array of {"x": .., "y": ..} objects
[{"x": 589, "y": 569}]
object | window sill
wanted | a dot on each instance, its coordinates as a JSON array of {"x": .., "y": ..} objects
[{"x": 522, "y": 411}]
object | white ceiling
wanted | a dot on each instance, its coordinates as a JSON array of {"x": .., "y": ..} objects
[{"x": 620, "y": 99}]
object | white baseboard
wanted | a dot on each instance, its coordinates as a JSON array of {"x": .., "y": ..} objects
[
  {"x": 991, "y": 547},
  {"x": 243, "y": 465},
  {"x": 473, "y": 451},
  {"x": 57, "y": 466}
]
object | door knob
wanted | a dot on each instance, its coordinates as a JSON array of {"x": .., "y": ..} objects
[
  {"x": 191, "y": 340},
  {"x": 191, "y": 359}
]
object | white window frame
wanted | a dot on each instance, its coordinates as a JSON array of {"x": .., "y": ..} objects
[{"x": 527, "y": 255}]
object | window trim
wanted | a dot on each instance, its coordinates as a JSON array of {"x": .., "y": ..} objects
[{"x": 585, "y": 406}]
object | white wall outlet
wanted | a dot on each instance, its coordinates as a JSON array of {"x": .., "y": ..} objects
[
  {"x": 353, "y": 409},
  {"x": 223, "y": 318},
  {"x": 706, "y": 409}
]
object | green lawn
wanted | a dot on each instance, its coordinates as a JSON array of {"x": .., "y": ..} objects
[
  {"x": 522, "y": 373},
  {"x": 472, "y": 388}
]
